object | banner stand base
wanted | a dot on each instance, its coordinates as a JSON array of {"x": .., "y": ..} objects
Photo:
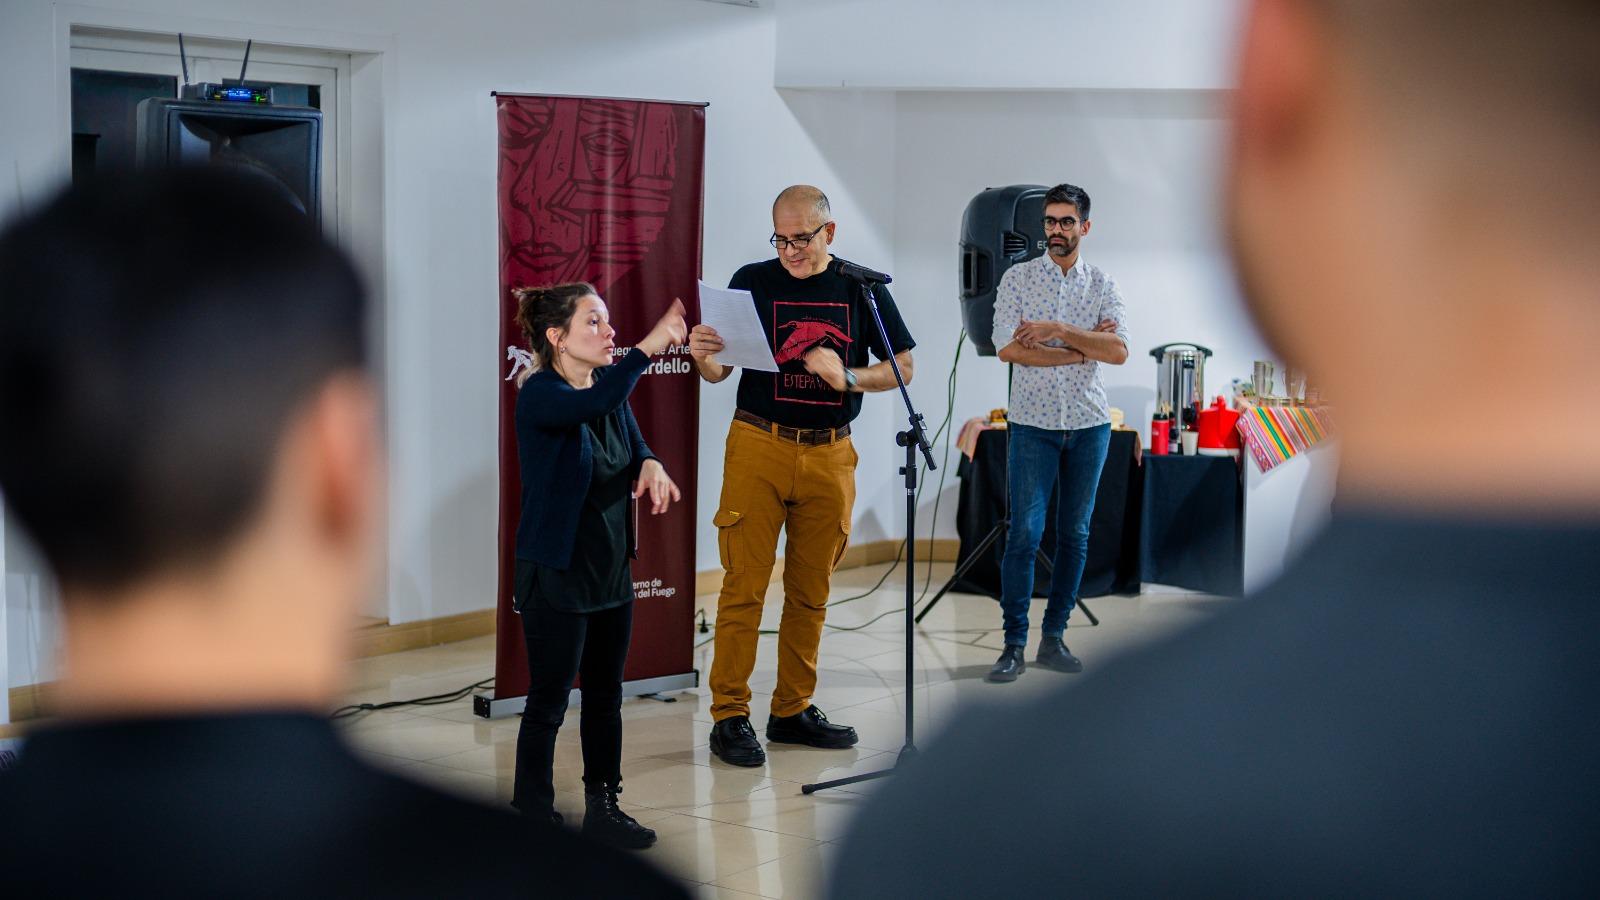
[{"x": 486, "y": 707}]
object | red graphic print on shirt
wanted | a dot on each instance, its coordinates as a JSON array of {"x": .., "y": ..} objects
[{"x": 797, "y": 328}]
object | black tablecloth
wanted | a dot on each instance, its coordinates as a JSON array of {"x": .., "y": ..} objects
[
  {"x": 1191, "y": 531},
  {"x": 1113, "y": 564},
  {"x": 1175, "y": 520}
]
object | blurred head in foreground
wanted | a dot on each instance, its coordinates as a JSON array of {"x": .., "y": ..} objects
[
  {"x": 1412, "y": 198},
  {"x": 191, "y": 441}
]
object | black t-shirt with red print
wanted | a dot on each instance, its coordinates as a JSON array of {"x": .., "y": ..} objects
[{"x": 825, "y": 310}]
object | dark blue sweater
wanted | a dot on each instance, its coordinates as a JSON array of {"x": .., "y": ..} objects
[{"x": 556, "y": 453}]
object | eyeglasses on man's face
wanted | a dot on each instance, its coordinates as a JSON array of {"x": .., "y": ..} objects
[
  {"x": 799, "y": 243},
  {"x": 1065, "y": 223}
]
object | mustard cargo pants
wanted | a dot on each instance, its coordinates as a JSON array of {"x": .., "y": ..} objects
[{"x": 771, "y": 483}]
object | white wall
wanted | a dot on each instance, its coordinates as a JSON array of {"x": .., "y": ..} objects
[{"x": 1006, "y": 44}]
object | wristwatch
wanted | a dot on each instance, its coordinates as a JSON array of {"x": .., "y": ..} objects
[{"x": 849, "y": 380}]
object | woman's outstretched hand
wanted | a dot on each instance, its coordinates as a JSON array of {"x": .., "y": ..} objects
[
  {"x": 670, "y": 331},
  {"x": 653, "y": 479}
]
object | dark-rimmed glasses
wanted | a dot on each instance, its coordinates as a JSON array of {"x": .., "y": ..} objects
[{"x": 799, "y": 243}]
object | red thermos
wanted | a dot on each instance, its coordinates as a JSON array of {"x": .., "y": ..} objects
[{"x": 1160, "y": 434}]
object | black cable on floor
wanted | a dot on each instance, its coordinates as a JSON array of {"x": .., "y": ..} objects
[{"x": 345, "y": 712}]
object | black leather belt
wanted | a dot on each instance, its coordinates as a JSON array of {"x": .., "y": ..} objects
[{"x": 807, "y": 436}]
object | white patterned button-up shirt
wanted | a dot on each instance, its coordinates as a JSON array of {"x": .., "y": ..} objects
[{"x": 1057, "y": 397}]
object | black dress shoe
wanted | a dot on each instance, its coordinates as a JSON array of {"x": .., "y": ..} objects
[
  {"x": 1053, "y": 654},
  {"x": 604, "y": 821},
  {"x": 734, "y": 742},
  {"x": 1008, "y": 666},
  {"x": 809, "y": 726}
]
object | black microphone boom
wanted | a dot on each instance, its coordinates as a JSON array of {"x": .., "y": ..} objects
[{"x": 857, "y": 273}]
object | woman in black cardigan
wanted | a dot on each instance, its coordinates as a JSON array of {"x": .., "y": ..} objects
[{"x": 583, "y": 463}]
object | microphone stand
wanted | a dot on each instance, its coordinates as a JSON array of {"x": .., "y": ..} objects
[{"x": 914, "y": 438}]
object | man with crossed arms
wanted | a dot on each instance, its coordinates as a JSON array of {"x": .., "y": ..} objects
[{"x": 1057, "y": 319}]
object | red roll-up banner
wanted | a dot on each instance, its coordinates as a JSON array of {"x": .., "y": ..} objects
[{"x": 610, "y": 192}]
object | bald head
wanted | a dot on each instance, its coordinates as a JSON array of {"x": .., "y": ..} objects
[
  {"x": 805, "y": 199},
  {"x": 802, "y": 230}
]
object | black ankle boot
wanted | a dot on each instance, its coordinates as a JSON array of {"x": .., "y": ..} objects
[
  {"x": 1053, "y": 654},
  {"x": 1008, "y": 666},
  {"x": 604, "y": 821}
]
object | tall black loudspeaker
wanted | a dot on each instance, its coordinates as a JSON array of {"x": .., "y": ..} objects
[
  {"x": 280, "y": 144},
  {"x": 1001, "y": 227}
]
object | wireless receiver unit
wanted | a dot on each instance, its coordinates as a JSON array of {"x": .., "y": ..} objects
[
  {"x": 223, "y": 93},
  {"x": 229, "y": 93}
]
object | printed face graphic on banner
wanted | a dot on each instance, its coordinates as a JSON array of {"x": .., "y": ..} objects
[
  {"x": 566, "y": 164},
  {"x": 796, "y": 329}
]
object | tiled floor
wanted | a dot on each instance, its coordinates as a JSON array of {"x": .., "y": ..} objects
[{"x": 729, "y": 831}]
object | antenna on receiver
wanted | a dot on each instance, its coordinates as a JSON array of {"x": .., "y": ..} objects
[
  {"x": 224, "y": 92},
  {"x": 246, "y": 63}
]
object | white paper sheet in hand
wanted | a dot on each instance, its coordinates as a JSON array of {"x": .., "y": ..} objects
[{"x": 733, "y": 315}]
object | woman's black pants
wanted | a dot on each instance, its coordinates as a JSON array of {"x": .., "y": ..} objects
[{"x": 561, "y": 646}]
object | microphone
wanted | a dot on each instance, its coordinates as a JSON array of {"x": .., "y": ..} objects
[{"x": 857, "y": 273}]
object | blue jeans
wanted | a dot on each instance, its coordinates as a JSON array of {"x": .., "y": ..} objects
[{"x": 1036, "y": 460}]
